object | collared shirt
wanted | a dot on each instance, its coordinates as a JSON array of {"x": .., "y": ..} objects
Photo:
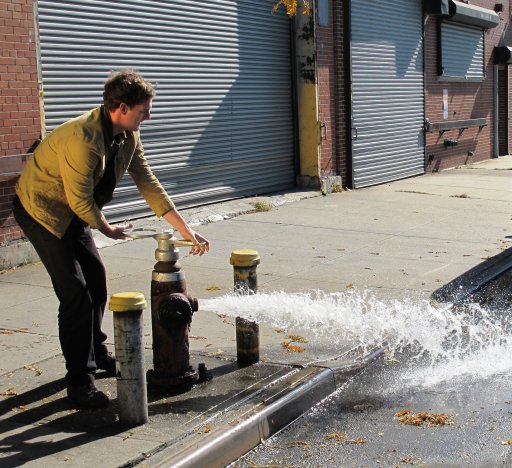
[
  {"x": 58, "y": 181},
  {"x": 104, "y": 189}
]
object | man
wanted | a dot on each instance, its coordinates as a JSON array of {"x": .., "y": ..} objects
[{"x": 59, "y": 197}]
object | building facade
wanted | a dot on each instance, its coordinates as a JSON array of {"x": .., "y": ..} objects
[
  {"x": 408, "y": 87},
  {"x": 360, "y": 92}
]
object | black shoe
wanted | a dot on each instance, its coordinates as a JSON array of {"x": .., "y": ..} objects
[
  {"x": 88, "y": 396},
  {"x": 107, "y": 363}
]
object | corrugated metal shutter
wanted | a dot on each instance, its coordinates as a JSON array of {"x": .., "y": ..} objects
[
  {"x": 387, "y": 91},
  {"x": 462, "y": 51},
  {"x": 222, "y": 123}
]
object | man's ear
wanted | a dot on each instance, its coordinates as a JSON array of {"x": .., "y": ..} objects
[{"x": 123, "y": 108}]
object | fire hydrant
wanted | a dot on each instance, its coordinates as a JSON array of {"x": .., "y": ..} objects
[{"x": 171, "y": 315}]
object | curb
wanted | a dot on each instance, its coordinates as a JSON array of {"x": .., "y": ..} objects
[
  {"x": 277, "y": 406},
  {"x": 467, "y": 284}
]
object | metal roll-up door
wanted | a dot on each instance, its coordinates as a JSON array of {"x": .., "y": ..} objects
[
  {"x": 222, "y": 120},
  {"x": 462, "y": 51},
  {"x": 387, "y": 90}
]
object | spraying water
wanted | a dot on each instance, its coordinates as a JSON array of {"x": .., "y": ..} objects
[{"x": 449, "y": 341}]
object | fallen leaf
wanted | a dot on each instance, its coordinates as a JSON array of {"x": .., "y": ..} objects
[
  {"x": 127, "y": 436},
  {"x": 213, "y": 288},
  {"x": 337, "y": 436},
  {"x": 297, "y": 338},
  {"x": 357, "y": 441},
  {"x": 34, "y": 369},
  {"x": 297, "y": 443},
  {"x": 342, "y": 438},
  {"x": 291, "y": 348},
  {"x": 216, "y": 353},
  {"x": 507, "y": 442},
  {"x": 194, "y": 337},
  {"x": 9, "y": 392}
]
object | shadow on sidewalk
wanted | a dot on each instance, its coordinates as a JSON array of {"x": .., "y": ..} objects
[{"x": 44, "y": 422}]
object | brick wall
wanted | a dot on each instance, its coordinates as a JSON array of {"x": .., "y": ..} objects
[
  {"x": 465, "y": 101},
  {"x": 326, "y": 103},
  {"x": 340, "y": 110},
  {"x": 19, "y": 103}
]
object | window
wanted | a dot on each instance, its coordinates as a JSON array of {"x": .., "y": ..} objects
[{"x": 462, "y": 52}]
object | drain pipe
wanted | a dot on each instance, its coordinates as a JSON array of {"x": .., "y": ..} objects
[
  {"x": 496, "y": 111},
  {"x": 130, "y": 373},
  {"x": 244, "y": 263}
]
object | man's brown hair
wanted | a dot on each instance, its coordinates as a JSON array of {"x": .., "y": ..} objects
[{"x": 126, "y": 86}]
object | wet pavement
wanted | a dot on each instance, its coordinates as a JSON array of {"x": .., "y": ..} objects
[
  {"x": 400, "y": 240},
  {"x": 358, "y": 427}
]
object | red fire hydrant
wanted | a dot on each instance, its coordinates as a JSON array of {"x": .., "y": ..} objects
[{"x": 171, "y": 315}]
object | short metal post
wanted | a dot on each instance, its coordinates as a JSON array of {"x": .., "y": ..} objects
[
  {"x": 130, "y": 372},
  {"x": 245, "y": 262}
]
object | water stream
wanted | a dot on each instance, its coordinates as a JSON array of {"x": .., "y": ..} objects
[{"x": 442, "y": 342}]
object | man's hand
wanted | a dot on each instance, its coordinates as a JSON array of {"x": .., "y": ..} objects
[
  {"x": 201, "y": 243},
  {"x": 117, "y": 231}
]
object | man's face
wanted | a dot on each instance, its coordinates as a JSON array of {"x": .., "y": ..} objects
[{"x": 132, "y": 117}]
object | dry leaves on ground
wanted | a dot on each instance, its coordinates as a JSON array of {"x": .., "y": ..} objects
[
  {"x": 292, "y": 348},
  {"x": 423, "y": 418},
  {"x": 342, "y": 438},
  {"x": 34, "y": 369},
  {"x": 297, "y": 338}
]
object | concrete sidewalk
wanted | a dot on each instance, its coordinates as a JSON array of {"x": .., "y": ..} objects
[{"x": 400, "y": 241}]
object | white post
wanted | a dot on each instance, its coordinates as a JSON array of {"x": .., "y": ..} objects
[{"x": 130, "y": 369}]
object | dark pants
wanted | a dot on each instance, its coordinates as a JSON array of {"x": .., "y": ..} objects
[{"x": 79, "y": 280}]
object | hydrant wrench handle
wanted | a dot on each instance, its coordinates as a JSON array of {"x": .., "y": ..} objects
[{"x": 144, "y": 233}]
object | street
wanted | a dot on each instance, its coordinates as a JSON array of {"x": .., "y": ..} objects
[
  {"x": 441, "y": 397},
  {"x": 358, "y": 426}
]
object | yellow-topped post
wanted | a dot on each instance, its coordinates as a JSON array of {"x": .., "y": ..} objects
[
  {"x": 245, "y": 262},
  {"x": 130, "y": 369}
]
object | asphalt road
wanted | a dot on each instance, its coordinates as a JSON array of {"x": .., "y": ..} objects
[
  {"x": 458, "y": 374},
  {"x": 358, "y": 426}
]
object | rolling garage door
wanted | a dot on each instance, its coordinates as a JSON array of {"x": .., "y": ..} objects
[
  {"x": 387, "y": 90},
  {"x": 222, "y": 124}
]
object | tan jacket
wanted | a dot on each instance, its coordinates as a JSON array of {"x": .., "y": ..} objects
[{"x": 58, "y": 180}]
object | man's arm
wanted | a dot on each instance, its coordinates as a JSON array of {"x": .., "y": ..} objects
[{"x": 201, "y": 244}]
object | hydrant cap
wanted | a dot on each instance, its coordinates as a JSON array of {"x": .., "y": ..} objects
[
  {"x": 126, "y": 301},
  {"x": 244, "y": 258}
]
